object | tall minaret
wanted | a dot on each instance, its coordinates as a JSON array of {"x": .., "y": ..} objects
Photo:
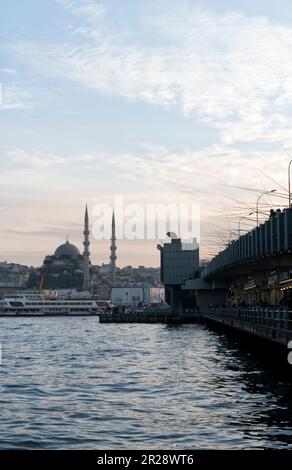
[
  {"x": 113, "y": 255},
  {"x": 86, "y": 253}
]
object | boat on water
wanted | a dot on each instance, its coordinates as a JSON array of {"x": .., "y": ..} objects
[{"x": 37, "y": 304}]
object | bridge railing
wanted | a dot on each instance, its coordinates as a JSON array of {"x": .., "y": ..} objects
[
  {"x": 269, "y": 317},
  {"x": 273, "y": 237},
  {"x": 186, "y": 311}
]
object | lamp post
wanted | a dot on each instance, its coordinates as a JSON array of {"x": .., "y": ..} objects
[
  {"x": 257, "y": 207},
  {"x": 241, "y": 218},
  {"x": 289, "y": 183},
  {"x": 289, "y": 175}
]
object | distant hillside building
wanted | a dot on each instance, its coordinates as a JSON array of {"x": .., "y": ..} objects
[{"x": 13, "y": 276}]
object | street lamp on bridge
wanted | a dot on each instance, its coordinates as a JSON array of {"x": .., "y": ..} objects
[
  {"x": 289, "y": 183},
  {"x": 242, "y": 218},
  {"x": 257, "y": 207},
  {"x": 289, "y": 175}
]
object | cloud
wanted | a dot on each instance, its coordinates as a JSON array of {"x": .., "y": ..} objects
[
  {"x": 34, "y": 157},
  {"x": 9, "y": 71},
  {"x": 91, "y": 10},
  {"x": 214, "y": 173},
  {"x": 213, "y": 177},
  {"x": 231, "y": 71},
  {"x": 15, "y": 97},
  {"x": 47, "y": 230},
  {"x": 39, "y": 158}
]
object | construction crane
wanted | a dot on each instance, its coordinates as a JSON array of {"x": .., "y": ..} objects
[
  {"x": 51, "y": 295},
  {"x": 42, "y": 282}
]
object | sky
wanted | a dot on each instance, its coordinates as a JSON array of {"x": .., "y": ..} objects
[{"x": 158, "y": 101}]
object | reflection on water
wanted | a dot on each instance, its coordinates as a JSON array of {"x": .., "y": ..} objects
[{"x": 75, "y": 383}]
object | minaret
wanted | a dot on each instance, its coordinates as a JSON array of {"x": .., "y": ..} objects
[
  {"x": 113, "y": 255},
  {"x": 86, "y": 253}
]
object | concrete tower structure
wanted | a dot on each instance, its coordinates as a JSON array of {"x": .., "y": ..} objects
[
  {"x": 113, "y": 255},
  {"x": 86, "y": 253}
]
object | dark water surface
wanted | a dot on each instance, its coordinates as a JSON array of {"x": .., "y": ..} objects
[{"x": 74, "y": 383}]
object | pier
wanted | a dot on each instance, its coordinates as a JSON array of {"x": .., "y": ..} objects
[
  {"x": 274, "y": 325},
  {"x": 270, "y": 324},
  {"x": 150, "y": 316}
]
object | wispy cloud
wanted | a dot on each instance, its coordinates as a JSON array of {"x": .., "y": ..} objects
[
  {"x": 39, "y": 159},
  {"x": 34, "y": 157},
  {"x": 214, "y": 177},
  {"x": 231, "y": 71},
  {"x": 209, "y": 174},
  {"x": 15, "y": 97},
  {"x": 9, "y": 71},
  {"x": 91, "y": 10}
]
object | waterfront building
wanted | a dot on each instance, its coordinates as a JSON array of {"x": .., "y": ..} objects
[
  {"x": 179, "y": 262},
  {"x": 137, "y": 295}
]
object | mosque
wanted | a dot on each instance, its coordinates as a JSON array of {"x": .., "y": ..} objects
[{"x": 67, "y": 268}]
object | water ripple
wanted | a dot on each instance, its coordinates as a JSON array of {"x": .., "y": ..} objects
[{"x": 74, "y": 383}]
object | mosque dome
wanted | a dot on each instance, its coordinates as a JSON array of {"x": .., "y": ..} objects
[{"x": 67, "y": 249}]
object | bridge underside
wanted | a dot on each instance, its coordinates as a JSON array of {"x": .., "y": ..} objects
[{"x": 264, "y": 264}]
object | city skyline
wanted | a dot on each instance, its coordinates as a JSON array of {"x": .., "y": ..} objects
[{"x": 178, "y": 102}]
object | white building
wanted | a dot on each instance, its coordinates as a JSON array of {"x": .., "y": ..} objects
[{"x": 137, "y": 295}]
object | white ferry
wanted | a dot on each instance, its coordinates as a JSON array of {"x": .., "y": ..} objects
[{"x": 37, "y": 305}]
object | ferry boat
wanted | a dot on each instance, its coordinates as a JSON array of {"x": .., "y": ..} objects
[{"x": 38, "y": 305}]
